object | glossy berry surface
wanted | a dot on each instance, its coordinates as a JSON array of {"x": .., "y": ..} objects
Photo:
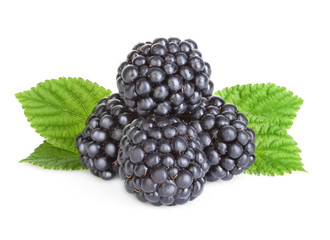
[
  {"x": 226, "y": 140},
  {"x": 165, "y": 77},
  {"x": 98, "y": 143},
  {"x": 161, "y": 160}
]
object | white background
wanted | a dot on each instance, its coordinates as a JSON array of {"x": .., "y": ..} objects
[{"x": 284, "y": 42}]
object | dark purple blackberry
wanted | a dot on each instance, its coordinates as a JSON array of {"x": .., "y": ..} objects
[
  {"x": 166, "y": 77},
  {"x": 227, "y": 141},
  {"x": 161, "y": 160},
  {"x": 98, "y": 143}
]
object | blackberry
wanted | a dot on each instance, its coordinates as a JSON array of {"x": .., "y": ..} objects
[
  {"x": 165, "y": 77},
  {"x": 99, "y": 142},
  {"x": 161, "y": 160},
  {"x": 227, "y": 141}
]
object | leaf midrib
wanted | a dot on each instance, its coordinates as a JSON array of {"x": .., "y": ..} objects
[{"x": 54, "y": 106}]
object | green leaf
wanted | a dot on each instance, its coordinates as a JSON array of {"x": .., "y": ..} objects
[
  {"x": 51, "y": 157},
  {"x": 276, "y": 151},
  {"x": 270, "y": 110},
  {"x": 58, "y": 109},
  {"x": 264, "y": 103}
]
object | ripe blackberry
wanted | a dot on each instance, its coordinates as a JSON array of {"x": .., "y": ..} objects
[
  {"x": 161, "y": 161},
  {"x": 228, "y": 142},
  {"x": 99, "y": 142},
  {"x": 167, "y": 76}
]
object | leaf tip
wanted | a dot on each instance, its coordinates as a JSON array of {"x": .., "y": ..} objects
[{"x": 18, "y": 96}]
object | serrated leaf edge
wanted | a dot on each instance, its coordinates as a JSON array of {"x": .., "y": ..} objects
[{"x": 20, "y": 95}]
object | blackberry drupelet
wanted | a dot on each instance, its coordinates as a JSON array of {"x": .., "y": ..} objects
[
  {"x": 98, "y": 143},
  {"x": 227, "y": 141},
  {"x": 165, "y": 77},
  {"x": 161, "y": 160}
]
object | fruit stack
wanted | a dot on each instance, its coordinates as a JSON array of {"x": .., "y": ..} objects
[{"x": 164, "y": 133}]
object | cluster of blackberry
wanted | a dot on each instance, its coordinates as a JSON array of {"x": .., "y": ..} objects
[
  {"x": 162, "y": 160},
  {"x": 165, "y": 77},
  {"x": 99, "y": 142},
  {"x": 164, "y": 133}
]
